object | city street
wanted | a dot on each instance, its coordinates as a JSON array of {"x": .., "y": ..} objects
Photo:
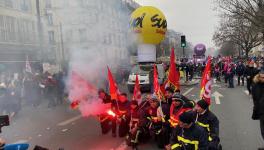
[
  {"x": 62, "y": 127},
  {"x": 63, "y": 63}
]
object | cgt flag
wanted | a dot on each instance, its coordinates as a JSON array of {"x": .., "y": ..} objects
[
  {"x": 137, "y": 93},
  {"x": 113, "y": 89},
  {"x": 206, "y": 82}
]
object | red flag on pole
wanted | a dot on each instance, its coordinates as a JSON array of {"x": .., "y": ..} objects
[
  {"x": 157, "y": 89},
  {"x": 137, "y": 93},
  {"x": 113, "y": 89},
  {"x": 174, "y": 77},
  {"x": 206, "y": 82}
]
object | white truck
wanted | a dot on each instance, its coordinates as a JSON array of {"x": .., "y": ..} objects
[{"x": 145, "y": 76}]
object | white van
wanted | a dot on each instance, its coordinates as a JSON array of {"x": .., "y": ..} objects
[{"x": 145, "y": 76}]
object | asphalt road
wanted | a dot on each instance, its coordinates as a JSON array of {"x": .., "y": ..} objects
[{"x": 63, "y": 127}]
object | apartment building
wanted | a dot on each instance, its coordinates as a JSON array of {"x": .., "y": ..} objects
[{"x": 18, "y": 32}]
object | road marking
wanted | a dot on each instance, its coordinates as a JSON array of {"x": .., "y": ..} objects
[
  {"x": 216, "y": 85},
  {"x": 217, "y": 96},
  {"x": 188, "y": 91},
  {"x": 39, "y": 135},
  {"x": 217, "y": 100},
  {"x": 246, "y": 91},
  {"x": 122, "y": 146},
  {"x": 21, "y": 141},
  {"x": 64, "y": 130},
  {"x": 69, "y": 120}
]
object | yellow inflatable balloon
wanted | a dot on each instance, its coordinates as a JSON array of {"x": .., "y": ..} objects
[{"x": 149, "y": 24}]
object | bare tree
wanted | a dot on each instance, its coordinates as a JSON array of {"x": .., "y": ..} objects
[
  {"x": 227, "y": 48},
  {"x": 251, "y": 10},
  {"x": 237, "y": 30}
]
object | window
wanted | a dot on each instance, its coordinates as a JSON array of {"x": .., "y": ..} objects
[
  {"x": 2, "y": 2},
  {"x": 83, "y": 35},
  {"x": 50, "y": 19},
  {"x": 33, "y": 32},
  {"x": 48, "y": 3},
  {"x": 25, "y": 5},
  {"x": 8, "y": 3},
  {"x": 2, "y": 29},
  {"x": 20, "y": 30},
  {"x": 27, "y": 31},
  {"x": 51, "y": 37},
  {"x": 11, "y": 28},
  {"x": 69, "y": 35}
]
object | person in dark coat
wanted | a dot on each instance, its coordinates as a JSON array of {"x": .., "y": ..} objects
[
  {"x": 121, "y": 108},
  {"x": 28, "y": 85},
  {"x": 230, "y": 75},
  {"x": 51, "y": 87},
  {"x": 188, "y": 135},
  {"x": 168, "y": 95},
  {"x": 191, "y": 70},
  {"x": 61, "y": 87},
  {"x": 13, "y": 99},
  {"x": 186, "y": 69},
  {"x": 240, "y": 70},
  {"x": 258, "y": 100},
  {"x": 218, "y": 72},
  {"x": 250, "y": 73},
  {"x": 208, "y": 120},
  {"x": 135, "y": 125},
  {"x": 104, "y": 118}
]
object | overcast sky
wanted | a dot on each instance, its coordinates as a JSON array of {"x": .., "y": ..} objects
[{"x": 194, "y": 18}]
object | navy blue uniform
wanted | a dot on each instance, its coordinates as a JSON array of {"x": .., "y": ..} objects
[
  {"x": 210, "y": 123},
  {"x": 193, "y": 138}
]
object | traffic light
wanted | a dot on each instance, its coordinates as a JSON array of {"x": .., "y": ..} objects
[{"x": 183, "y": 41}]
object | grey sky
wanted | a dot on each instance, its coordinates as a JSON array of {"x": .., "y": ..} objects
[{"x": 194, "y": 18}]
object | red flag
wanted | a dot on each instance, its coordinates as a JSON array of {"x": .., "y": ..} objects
[
  {"x": 113, "y": 89},
  {"x": 80, "y": 89},
  {"x": 206, "y": 82},
  {"x": 157, "y": 89},
  {"x": 174, "y": 77},
  {"x": 137, "y": 93}
]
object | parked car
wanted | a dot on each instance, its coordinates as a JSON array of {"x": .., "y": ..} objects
[{"x": 145, "y": 76}]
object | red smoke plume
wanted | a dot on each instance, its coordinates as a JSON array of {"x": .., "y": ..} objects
[{"x": 83, "y": 95}]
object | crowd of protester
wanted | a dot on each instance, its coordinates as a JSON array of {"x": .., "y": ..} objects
[
  {"x": 243, "y": 69},
  {"x": 30, "y": 89}
]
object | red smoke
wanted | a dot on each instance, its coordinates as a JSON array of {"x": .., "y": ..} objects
[{"x": 83, "y": 95}]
